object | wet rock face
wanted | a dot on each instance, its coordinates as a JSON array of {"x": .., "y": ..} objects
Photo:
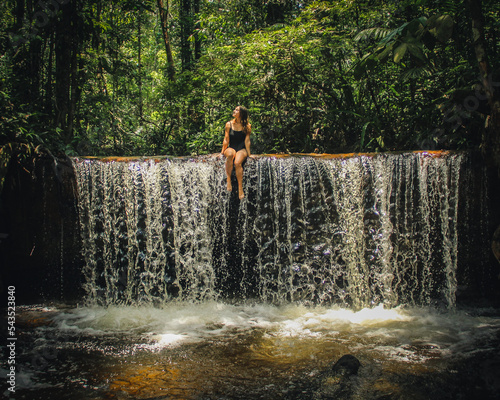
[
  {"x": 495, "y": 246},
  {"x": 41, "y": 250}
]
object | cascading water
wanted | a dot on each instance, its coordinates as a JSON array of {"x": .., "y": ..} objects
[{"x": 355, "y": 231}]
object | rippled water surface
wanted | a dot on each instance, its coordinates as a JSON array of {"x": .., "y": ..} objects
[{"x": 214, "y": 350}]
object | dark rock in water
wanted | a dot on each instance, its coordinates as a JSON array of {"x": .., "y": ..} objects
[
  {"x": 347, "y": 365},
  {"x": 338, "y": 382}
]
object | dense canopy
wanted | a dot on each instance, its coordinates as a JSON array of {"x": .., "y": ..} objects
[{"x": 126, "y": 77}]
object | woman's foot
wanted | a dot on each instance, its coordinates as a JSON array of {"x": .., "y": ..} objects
[
  {"x": 242, "y": 195},
  {"x": 229, "y": 186}
]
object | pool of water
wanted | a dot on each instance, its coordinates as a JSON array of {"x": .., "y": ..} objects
[{"x": 215, "y": 350}]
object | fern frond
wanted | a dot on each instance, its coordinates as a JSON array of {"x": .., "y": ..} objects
[
  {"x": 416, "y": 73},
  {"x": 375, "y": 33},
  {"x": 450, "y": 7}
]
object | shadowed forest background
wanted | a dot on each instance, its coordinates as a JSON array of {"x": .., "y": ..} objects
[{"x": 152, "y": 77}]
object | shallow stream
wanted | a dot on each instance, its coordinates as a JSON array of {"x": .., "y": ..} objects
[{"x": 215, "y": 350}]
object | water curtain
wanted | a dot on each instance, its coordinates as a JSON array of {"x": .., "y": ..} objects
[{"x": 356, "y": 231}]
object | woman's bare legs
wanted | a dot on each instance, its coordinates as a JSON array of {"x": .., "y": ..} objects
[
  {"x": 238, "y": 161},
  {"x": 229, "y": 153}
]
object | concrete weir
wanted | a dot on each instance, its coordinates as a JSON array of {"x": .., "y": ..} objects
[{"x": 350, "y": 229}]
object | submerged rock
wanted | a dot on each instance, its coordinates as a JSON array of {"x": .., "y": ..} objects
[
  {"x": 346, "y": 365},
  {"x": 337, "y": 383}
]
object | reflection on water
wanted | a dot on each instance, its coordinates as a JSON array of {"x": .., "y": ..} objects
[{"x": 213, "y": 350}]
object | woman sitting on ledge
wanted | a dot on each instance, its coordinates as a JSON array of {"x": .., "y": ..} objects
[{"x": 236, "y": 146}]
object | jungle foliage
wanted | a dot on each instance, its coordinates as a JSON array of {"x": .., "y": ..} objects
[{"x": 126, "y": 77}]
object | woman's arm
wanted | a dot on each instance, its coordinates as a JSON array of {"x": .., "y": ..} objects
[
  {"x": 225, "y": 143},
  {"x": 247, "y": 140}
]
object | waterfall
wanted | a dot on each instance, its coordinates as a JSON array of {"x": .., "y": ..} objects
[{"x": 357, "y": 230}]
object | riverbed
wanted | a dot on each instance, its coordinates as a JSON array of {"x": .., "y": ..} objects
[{"x": 254, "y": 350}]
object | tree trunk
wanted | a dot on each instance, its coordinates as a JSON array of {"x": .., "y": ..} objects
[
  {"x": 164, "y": 28},
  {"x": 19, "y": 13},
  {"x": 68, "y": 74},
  {"x": 74, "y": 92},
  {"x": 139, "y": 72},
  {"x": 63, "y": 46},
  {"x": 96, "y": 44},
  {"x": 186, "y": 32},
  {"x": 197, "y": 41},
  {"x": 48, "y": 83},
  {"x": 35, "y": 62},
  {"x": 491, "y": 138}
]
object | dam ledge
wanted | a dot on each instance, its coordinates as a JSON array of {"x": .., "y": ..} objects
[{"x": 320, "y": 156}]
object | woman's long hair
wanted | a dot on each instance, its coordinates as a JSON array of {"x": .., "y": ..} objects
[{"x": 244, "y": 117}]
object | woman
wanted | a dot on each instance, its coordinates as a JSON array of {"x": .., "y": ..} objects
[{"x": 236, "y": 146}]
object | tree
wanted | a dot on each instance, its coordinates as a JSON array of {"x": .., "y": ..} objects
[
  {"x": 187, "y": 28},
  {"x": 164, "y": 26},
  {"x": 107, "y": 78},
  {"x": 491, "y": 138}
]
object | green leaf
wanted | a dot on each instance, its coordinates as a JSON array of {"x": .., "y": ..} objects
[
  {"x": 363, "y": 134},
  {"x": 5, "y": 155},
  {"x": 385, "y": 53},
  {"x": 441, "y": 26},
  {"x": 415, "y": 47},
  {"x": 414, "y": 27},
  {"x": 400, "y": 52},
  {"x": 393, "y": 34},
  {"x": 364, "y": 65},
  {"x": 375, "y": 33}
]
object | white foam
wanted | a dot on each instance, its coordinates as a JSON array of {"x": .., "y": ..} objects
[{"x": 180, "y": 322}]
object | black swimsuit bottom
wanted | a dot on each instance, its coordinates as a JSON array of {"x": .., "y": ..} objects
[{"x": 236, "y": 139}]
